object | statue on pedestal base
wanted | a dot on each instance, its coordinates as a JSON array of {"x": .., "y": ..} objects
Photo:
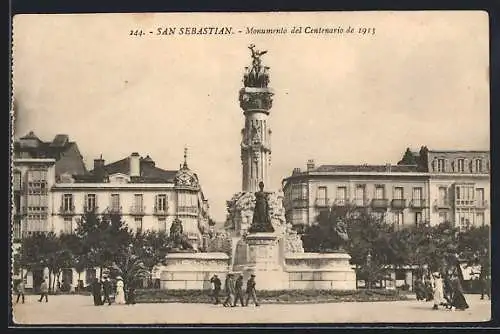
[{"x": 261, "y": 221}]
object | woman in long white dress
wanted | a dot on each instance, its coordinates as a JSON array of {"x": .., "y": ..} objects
[
  {"x": 120, "y": 292},
  {"x": 438, "y": 291}
]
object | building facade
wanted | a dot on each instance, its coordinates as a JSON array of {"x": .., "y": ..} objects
[{"x": 437, "y": 186}]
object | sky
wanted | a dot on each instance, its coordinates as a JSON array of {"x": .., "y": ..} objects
[{"x": 420, "y": 79}]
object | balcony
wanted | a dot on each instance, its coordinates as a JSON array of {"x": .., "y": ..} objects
[
  {"x": 482, "y": 204},
  {"x": 398, "y": 204},
  {"x": 340, "y": 202},
  {"x": 360, "y": 202},
  {"x": 115, "y": 209},
  {"x": 418, "y": 203},
  {"x": 300, "y": 203},
  {"x": 322, "y": 202},
  {"x": 137, "y": 210},
  {"x": 160, "y": 211},
  {"x": 187, "y": 210},
  {"x": 469, "y": 203},
  {"x": 67, "y": 210},
  {"x": 90, "y": 209},
  {"x": 442, "y": 204},
  {"x": 380, "y": 203}
]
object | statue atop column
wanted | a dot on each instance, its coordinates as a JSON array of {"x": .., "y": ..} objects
[
  {"x": 261, "y": 221},
  {"x": 257, "y": 75}
]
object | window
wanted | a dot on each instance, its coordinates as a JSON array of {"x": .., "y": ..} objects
[
  {"x": 479, "y": 165},
  {"x": 359, "y": 196},
  {"x": 479, "y": 219},
  {"x": 480, "y": 195},
  {"x": 17, "y": 181},
  {"x": 379, "y": 192},
  {"x": 16, "y": 230},
  {"x": 299, "y": 191},
  {"x": 138, "y": 223},
  {"x": 162, "y": 224},
  {"x": 138, "y": 202},
  {"x": 464, "y": 194},
  {"x": 417, "y": 193},
  {"x": 115, "y": 202},
  {"x": 443, "y": 196},
  {"x": 398, "y": 193},
  {"x": 460, "y": 165},
  {"x": 90, "y": 202},
  {"x": 440, "y": 165},
  {"x": 418, "y": 218},
  {"x": 443, "y": 217},
  {"x": 398, "y": 219},
  {"x": 68, "y": 225},
  {"x": 322, "y": 196},
  {"x": 68, "y": 203},
  {"x": 341, "y": 195},
  {"x": 161, "y": 203}
]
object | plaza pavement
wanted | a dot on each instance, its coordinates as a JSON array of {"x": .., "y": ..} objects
[{"x": 68, "y": 309}]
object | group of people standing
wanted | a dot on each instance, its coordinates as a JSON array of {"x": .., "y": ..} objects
[
  {"x": 443, "y": 289},
  {"x": 233, "y": 288},
  {"x": 102, "y": 291}
]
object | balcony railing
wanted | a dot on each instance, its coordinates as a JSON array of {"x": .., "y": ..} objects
[
  {"x": 481, "y": 204},
  {"x": 193, "y": 210},
  {"x": 360, "y": 202},
  {"x": 322, "y": 202},
  {"x": 340, "y": 202},
  {"x": 67, "y": 210},
  {"x": 300, "y": 203},
  {"x": 380, "y": 203},
  {"x": 442, "y": 204},
  {"x": 418, "y": 203},
  {"x": 115, "y": 209},
  {"x": 465, "y": 202},
  {"x": 88, "y": 209},
  {"x": 137, "y": 210},
  {"x": 398, "y": 203},
  {"x": 160, "y": 211}
]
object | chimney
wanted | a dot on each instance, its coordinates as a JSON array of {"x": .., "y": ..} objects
[
  {"x": 310, "y": 164},
  {"x": 98, "y": 164},
  {"x": 296, "y": 170},
  {"x": 135, "y": 165},
  {"x": 388, "y": 168}
]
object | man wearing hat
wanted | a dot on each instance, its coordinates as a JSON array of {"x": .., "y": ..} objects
[
  {"x": 106, "y": 289},
  {"x": 251, "y": 290},
  {"x": 217, "y": 283},
  {"x": 239, "y": 291},
  {"x": 229, "y": 287}
]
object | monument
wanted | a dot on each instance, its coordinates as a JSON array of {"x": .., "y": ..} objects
[{"x": 263, "y": 243}]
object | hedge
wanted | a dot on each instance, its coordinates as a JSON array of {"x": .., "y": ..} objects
[{"x": 272, "y": 297}]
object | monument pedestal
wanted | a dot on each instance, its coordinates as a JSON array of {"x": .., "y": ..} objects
[{"x": 265, "y": 262}]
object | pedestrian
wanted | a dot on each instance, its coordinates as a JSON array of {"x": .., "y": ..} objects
[
  {"x": 438, "y": 291},
  {"x": 485, "y": 281},
  {"x": 131, "y": 295},
  {"x": 238, "y": 288},
  {"x": 120, "y": 292},
  {"x": 419, "y": 289},
  {"x": 251, "y": 290},
  {"x": 428, "y": 288},
  {"x": 458, "y": 301},
  {"x": 96, "y": 292},
  {"x": 106, "y": 289},
  {"x": 229, "y": 287},
  {"x": 44, "y": 291},
  {"x": 216, "y": 290},
  {"x": 20, "y": 291}
]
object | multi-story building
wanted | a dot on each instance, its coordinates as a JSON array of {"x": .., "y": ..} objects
[
  {"x": 147, "y": 197},
  {"x": 52, "y": 190},
  {"x": 428, "y": 186},
  {"x": 37, "y": 166}
]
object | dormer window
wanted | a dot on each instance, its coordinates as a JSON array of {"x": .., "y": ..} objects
[
  {"x": 460, "y": 165},
  {"x": 440, "y": 165}
]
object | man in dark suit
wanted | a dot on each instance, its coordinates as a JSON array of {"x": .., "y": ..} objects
[
  {"x": 106, "y": 287},
  {"x": 251, "y": 290},
  {"x": 217, "y": 284},
  {"x": 238, "y": 287},
  {"x": 96, "y": 292}
]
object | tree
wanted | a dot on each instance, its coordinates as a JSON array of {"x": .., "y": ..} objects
[
  {"x": 408, "y": 158},
  {"x": 103, "y": 238},
  {"x": 150, "y": 247},
  {"x": 474, "y": 248}
]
